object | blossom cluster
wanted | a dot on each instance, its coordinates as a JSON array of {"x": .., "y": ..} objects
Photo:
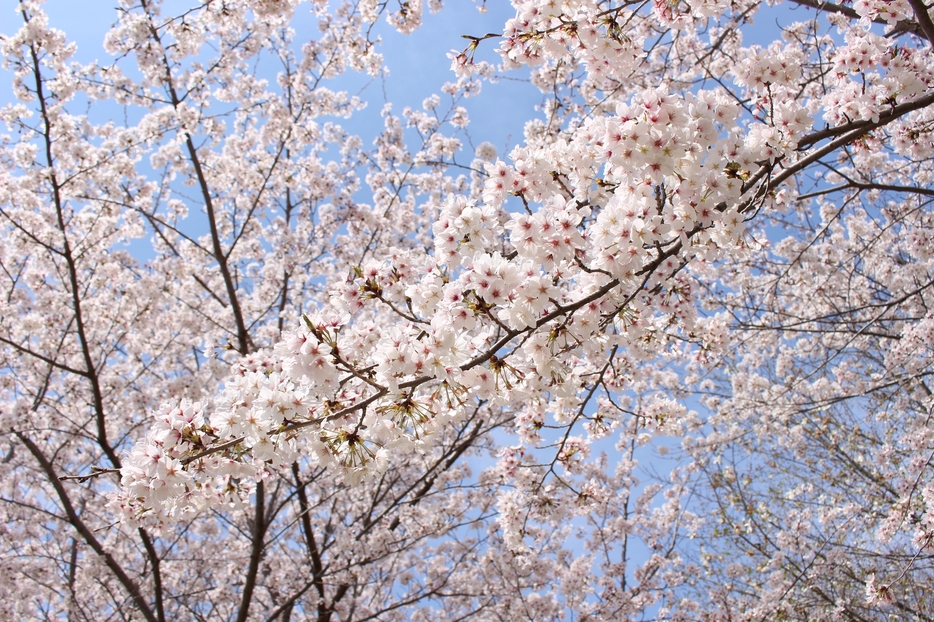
[
  {"x": 623, "y": 204},
  {"x": 671, "y": 352}
]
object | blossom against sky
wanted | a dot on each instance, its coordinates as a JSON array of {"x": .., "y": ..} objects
[{"x": 416, "y": 65}]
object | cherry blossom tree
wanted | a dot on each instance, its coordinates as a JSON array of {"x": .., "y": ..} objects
[
  {"x": 816, "y": 464},
  {"x": 668, "y": 358}
]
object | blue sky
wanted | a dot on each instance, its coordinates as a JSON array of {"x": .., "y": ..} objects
[{"x": 417, "y": 64}]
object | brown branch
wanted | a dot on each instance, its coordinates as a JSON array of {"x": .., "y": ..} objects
[
  {"x": 128, "y": 583},
  {"x": 868, "y": 186},
  {"x": 49, "y": 361},
  {"x": 245, "y": 343},
  {"x": 156, "y": 572},
  {"x": 258, "y": 534},
  {"x": 73, "y": 284},
  {"x": 828, "y": 7},
  {"x": 96, "y": 471},
  {"x": 317, "y": 567},
  {"x": 867, "y": 125},
  {"x": 924, "y": 18}
]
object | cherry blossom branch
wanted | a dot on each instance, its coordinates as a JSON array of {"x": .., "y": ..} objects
[
  {"x": 131, "y": 586},
  {"x": 49, "y": 361},
  {"x": 257, "y": 536},
  {"x": 244, "y": 340},
  {"x": 317, "y": 567},
  {"x": 74, "y": 286},
  {"x": 96, "y": 472},
  {"x": 867, "y": 125},
  {"x": 924, "y": 19},
  {"x": 829, "y": 7},
  {"x": 859, "y": 185}
]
